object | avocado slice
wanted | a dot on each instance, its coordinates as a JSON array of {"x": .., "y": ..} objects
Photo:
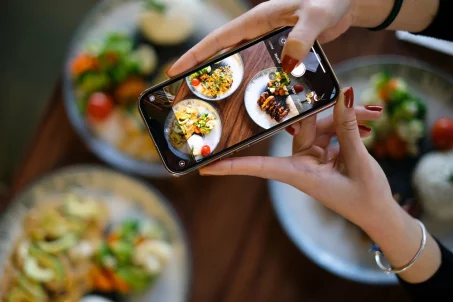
[
  {"x": 32, "y": 288},
  {"x": 18, "y": 294},
  {"x": 36, "y": 272},
  {"x": 47, "y": 262},
  {"x": 61, "y": 244},
  {"x": 80, "y": 208},
  {"x": 137, "y": 278}
]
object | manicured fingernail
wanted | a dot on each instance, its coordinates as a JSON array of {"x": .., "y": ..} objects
[
  {"x": 290, "y": 130},
  {"x": 289, "y": 63},
  {"x": 364, "y": 128},
  {"x": 349, "y": 97},
  {"x": 373, "y": 108}
]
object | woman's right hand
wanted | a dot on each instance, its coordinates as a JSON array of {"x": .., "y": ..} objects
[{"x": 322, "y": 20}]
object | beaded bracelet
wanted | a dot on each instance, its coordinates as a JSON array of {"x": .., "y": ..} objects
[{"x": 389, "y": 270}]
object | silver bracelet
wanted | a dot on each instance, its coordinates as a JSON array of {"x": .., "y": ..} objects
[{"x": 390, "y": 270}]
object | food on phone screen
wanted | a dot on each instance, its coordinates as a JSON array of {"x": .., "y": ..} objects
[
  {"x": 279, "y": 86},
  {"x": 399, "y": 131},
  {"x": 213, "y": 82},
  {"x": 108, "y": 78},
  {"x": 442, "y": 134},
  {"x": 273, "y": 107},
  {"x": 195, "y": 129},
  {"x": 433, "y": 182}
]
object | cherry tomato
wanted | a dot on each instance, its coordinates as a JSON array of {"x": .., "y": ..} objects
[
  {"x": 100, "y": 106},
  {"x": 396, "y": 147},
  {"x": 205, "y": 150},
  {"x": 282, "y": 92},
  {"x": 195, "y": 82},
  {"x": 298, "y": 88},
  {"x": 442, "y": 134}
]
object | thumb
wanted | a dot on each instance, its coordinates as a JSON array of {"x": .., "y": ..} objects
[
  {"x": 298, "y": 44},
  {"x": 352, "y": 149}
]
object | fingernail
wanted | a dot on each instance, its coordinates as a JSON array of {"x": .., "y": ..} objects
[
  {"x": 373, "y": 108},
  {"x": 290, "y": 130},
  {"x": 289, "y": 63},
  {"x": 364, "y": 128},
  {"x": 349, "y": 97}
]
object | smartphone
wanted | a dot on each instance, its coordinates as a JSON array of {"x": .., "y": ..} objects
[{"x": 233, "y": 101}]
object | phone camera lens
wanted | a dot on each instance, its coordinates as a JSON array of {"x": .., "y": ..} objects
[
  {"x": 282, "y": 41},
  {"x": 152, "y": 98},
  {"x": 182, "y": 164}
]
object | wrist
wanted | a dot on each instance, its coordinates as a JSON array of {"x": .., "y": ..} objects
[{"x": 370, "y": 13}]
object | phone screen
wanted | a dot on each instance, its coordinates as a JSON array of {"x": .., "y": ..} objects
[{"x": 234, "y": 100}]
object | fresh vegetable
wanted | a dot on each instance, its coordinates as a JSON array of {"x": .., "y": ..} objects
[
  {"x": 136, "y": 278},
  {"x": 402, "y": 125},
  {"x": 442, "y": 134},
  {"x": 130, "y": 260},
  {"x": 279, "y": 85},
  {"x": 34, "y": 271},
  {"x": 18, "y": 295},
  {"x": 44, "y": 263},
  {"x": 100, "y": 106},
  {"x": 100, "y": 280},
  {"x": 83, "y": 63},
  {"x": 195, "y": 82},
  {"x": 396, "y": 147},
  {"x": 57, "y": 246},
  {"x": 33, "y": 288},
  {"x": 205, "y": 150},
  {"x": 129, "y": 90},
  {"x": 204, "y": 124}
]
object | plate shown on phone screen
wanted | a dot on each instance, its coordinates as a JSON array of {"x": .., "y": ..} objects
[{"x": 257, "y": 85}]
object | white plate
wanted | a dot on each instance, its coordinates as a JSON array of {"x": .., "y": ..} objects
[
  {"x": 237, "y": 67},
  {"x": 254, "y": 89},
  {"x": 326, "y": 238},
  {"x": 125, "y": 197},
  {"x": 212, "y": 139}
]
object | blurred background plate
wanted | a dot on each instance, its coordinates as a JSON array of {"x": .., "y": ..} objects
[
  {"x": 323, "y": 236},
  {"x": 123, "y": 16},
  {"x": 125, "y": 197}
]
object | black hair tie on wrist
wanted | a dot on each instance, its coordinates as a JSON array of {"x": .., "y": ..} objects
[{"x": 393, "y": 14}]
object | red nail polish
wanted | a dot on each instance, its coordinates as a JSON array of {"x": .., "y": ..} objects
[
  {"x": 289, "y": 63},
  {"x": 373, "y": 108},
  {"x": 364, "y": 128},
  {"x": 349, "y": 97},
  {"x": 290, "y": 130}
]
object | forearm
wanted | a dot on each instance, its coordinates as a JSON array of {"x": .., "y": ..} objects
[
  {"x": 415, "y": 15},
  {"x": 399, "y": 237}
]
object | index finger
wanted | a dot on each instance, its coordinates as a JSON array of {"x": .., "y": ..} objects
[{"x": 254, "y": 23}]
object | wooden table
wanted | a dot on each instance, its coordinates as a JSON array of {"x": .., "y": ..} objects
[{"x": 239, "y": 250}]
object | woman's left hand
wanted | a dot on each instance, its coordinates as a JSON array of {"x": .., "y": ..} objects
[{"x": 357, "y": 185}]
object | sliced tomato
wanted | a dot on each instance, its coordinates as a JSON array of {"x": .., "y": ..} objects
[
  {"x": 442, "y": 134},
  {"x": 83, "y": 63},
  {"x": 282, "y": 92},
  {"x": 100, "y": 106},
  {"x": 195, "y": 82},
  {"x": 205, "y": 150}
]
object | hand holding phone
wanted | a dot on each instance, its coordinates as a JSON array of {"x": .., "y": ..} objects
[{"x": 233, "y": 101}]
